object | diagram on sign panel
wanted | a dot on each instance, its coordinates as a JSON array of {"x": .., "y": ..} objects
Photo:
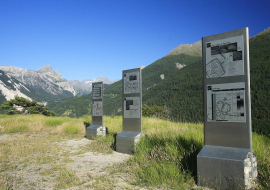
[
  {"x": 224, "y": 57},
  {"x": 97, "y": 108},
  {"x": 131, "y": 83},
  {"x": 132, "y": 107},
  {"x": 226, "y": 102}
]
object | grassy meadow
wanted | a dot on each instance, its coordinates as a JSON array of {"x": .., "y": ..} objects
[{"x": 165, "y": 158}]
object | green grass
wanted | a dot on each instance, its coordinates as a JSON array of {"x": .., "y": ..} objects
[
  {"x": 71, "y": 129},
  {"x": 67, "y": 178},
  {"x": 16, "y": 129},
  {"x": 261, "y": 147},
  {"x": 166, "y": 157},
  {"x": 54, "y": 121}
]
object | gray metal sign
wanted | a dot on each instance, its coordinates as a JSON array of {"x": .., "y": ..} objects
[
  {"x": 132, "y": 111},
  {"x": 97, "y": 128},
  {"x": 132, "y": 96},
  {"x": 227, "y": 159},
  {"x": 97, "y": 103},
  {"x": 227, "y": 107}
]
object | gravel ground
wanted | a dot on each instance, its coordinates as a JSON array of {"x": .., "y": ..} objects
[{"x": 92, "y": 169}]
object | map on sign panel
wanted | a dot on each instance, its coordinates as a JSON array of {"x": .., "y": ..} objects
[
  {"x": 226, "y": 102},
  {"x": 96, "y": 91},
  {"x": 225, "y": 57},
  {"x": 131, "y": 83},
  {"x": 97, "y": 108},
  {"x": 132, "y": 107}
]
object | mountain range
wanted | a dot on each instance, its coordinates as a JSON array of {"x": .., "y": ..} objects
[{"x": 42, "y": 85}]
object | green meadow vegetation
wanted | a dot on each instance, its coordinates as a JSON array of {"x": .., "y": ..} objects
[{"x": 164, "y": 158}]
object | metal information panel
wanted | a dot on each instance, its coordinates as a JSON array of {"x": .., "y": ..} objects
[
  {"x": 131, "y": 82},
  {"x": 132, "y": 96},
  {"x": 226, "y": 102},
  {"x": 97, "y": 108},
  {"x": 227, "y": 108},
  {"x": 224, "y": 57},
  {"x": 97, "y": 90},
  {"x": 132, "y": 107},
  {"x": 97, "y": 105},
  {"x": 132, "y": 111},
  {"x": 227, "y": 113}
]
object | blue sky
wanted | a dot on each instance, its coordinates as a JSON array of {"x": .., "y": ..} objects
[{"x": 86, "y": 39}]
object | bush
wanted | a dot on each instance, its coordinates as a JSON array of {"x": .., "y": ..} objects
[{"x": 20, "y": 105}]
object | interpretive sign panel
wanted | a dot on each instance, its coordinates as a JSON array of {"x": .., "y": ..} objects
[
  {"x": 132, "y": 96},
  {"x": 227, "y": 113},
  {"x": 131, "y": 82},
  {"x": 132, "y": 111},
  {"x": 132, "y": 107},
  {"x": 97, "y": 90},
  {"x": 227, "y": 89},
  {"x": 97, "y": 103},
  {"x": 226, "y": 102},
  {"x": 96, "y": 128},
  {"x": 224, "y": 57},
  {"x": 97, "y": 108}
]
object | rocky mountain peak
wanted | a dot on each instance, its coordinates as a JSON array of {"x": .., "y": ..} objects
[
  {"x": 49, "y": 73},
  {"x": 194, "y": 49},
  {"x": 99, "y": 79},
  {"x": 46, "y": 68}
]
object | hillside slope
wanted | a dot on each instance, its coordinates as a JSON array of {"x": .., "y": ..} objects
[
  {"x": 260, "y": 81},
  {"x": 181, "y": 92}
]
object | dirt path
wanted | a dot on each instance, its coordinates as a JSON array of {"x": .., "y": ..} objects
[{"x": 84, "y": 170}]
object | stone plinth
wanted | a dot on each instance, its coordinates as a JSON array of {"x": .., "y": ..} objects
[
  {"x": 126, "y": 140},
  {"x": 226, "y": 167},
  {"x": 95, "y": 131}
]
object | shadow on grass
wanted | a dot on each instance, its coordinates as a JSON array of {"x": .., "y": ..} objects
[
  {"x": 191, "y": 147},
  {"x": 113, "y": 145},
  {"x": 179, "y": 150},
  {"x": 86, "y": 124}
]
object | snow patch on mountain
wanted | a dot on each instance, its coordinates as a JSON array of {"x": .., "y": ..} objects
[{"x": 9, "y": 93}]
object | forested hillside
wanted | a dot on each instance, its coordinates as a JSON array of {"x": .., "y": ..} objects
[
  {"x": 260, "y": 82},
  {"x": 164, "y": 66},
  {"x": 181, "y": 92}
]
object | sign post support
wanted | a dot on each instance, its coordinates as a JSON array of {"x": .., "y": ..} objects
[
  {"x": 97, "y": 128},
  {"x": 226, "y": 159},
  {"x": 132, "y": 111}
]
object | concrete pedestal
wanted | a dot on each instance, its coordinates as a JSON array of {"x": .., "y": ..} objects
[
  {"x": 95, "y": 130},
  {"x": 126, "y": 140},
  {"x": 226, "y": 167}
]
